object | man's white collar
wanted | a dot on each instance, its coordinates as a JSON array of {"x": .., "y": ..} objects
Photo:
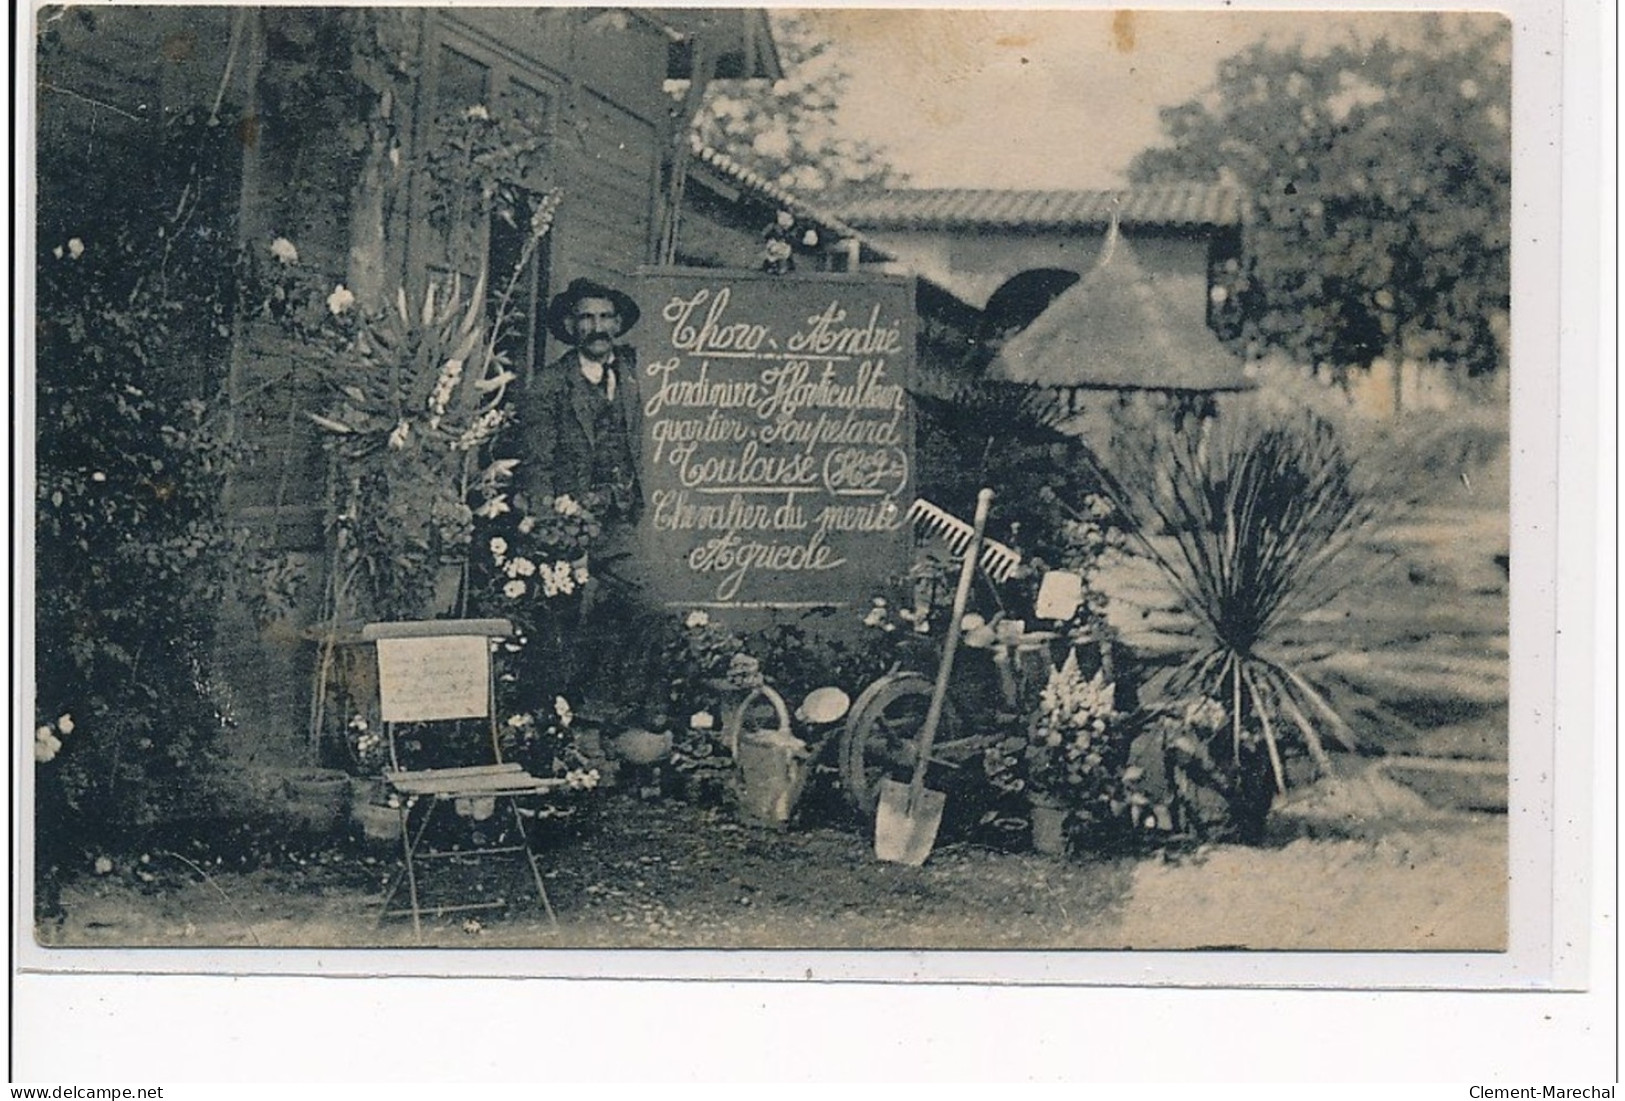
[{"x": 593, "y": 371}]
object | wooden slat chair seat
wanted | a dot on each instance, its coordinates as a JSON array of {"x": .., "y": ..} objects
[
  {"x": 437, "y": 672},
  {"x": 507, "y": 779}
]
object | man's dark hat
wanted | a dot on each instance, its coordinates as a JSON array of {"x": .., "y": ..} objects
[{"x": 562, "y": 308}]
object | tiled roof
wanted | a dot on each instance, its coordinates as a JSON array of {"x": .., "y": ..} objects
[
  {"x": 730, "y": 169},
  {"x": 831, "y": 226},
  {"x": 1170, "y": 206}
]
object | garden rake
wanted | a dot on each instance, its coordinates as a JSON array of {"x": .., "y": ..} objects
[{"x": 997, "y": 559}]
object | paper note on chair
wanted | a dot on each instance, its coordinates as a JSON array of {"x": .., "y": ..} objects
[{"x": 429, "y": 679}]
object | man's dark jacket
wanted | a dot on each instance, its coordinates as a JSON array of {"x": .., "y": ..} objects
[{"x": 577, "y": 441}]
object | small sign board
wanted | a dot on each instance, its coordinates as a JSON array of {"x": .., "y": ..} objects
[
  {"x": 778, "y": 437},
  {"x": 434, "y": 679}
]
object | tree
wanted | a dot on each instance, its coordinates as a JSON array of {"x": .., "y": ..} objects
[
  {"x": 1380, "y": 178},
  {"x": 787, "y": 131}
]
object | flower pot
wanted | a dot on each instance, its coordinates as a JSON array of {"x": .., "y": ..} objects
[
  {"x": 1049, "y": 827},
  {"x": 318, "y": 800},
  {"x": 643, "y": 747},
  {"x": 377, "y": 823}
]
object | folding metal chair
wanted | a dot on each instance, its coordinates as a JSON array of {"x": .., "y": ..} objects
[{"x": 440, "y": 672}]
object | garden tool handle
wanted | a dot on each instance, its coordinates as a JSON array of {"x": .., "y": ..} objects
[{"x": 939, "y": 692}]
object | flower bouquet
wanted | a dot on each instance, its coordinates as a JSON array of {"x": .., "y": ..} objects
[{"x": 1074, "y": 755}]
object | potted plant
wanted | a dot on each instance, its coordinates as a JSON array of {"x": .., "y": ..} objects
[
  {"x": 1071, "y": 764},
  {"x": 1259, "y": 514},
  {"x": 547, "y": 742}
]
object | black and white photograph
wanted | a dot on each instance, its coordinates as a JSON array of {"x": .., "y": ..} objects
[{"x": 760, "y": 478}]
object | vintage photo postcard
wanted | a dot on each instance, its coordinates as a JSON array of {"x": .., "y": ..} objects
[{"x": 806, "y": 485}]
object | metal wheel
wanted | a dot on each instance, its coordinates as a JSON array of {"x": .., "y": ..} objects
[{"x": 881, "y": 736}]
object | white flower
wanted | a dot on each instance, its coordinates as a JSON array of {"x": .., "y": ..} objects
[
  {"x": 499, "y": 546},
  {"x": 513, "y": 590},
  {"x": 493, "y": 508},
  {"x": 527, "y": 525},
  {"x": 57, "y": 252},
  {"x": 397, "y": 438},
  {"x": 702, "y": 720},
  {"x": 565, "y": 505},
  {"x": 65, "y": 724},
  {"x": 875, "y": 618},
  {"x": 542, "y": 220},
  {"x": 76, "y": 248},
  {"x": 810, "y": 238},
  {"x": 564, "y": 578},
  {"x": 340, "y": 300},
  {"x": 281, "y": 248},
  {"x": 478, "y": 111},
  {"x": 561, "y": 708},
  {"x": 46, "y": 745},
  {"x": 519, "y": 722},
  {"x": 498, "y": 470},
  {"x": 103, "y": 865},
  {"x": 523, "y": 567},
  {"x": 98, "y": 476},
  {"x": 581, "y": 572},
  {"x": 478, "y": 432},
  {"x": 697, "y": 620}
]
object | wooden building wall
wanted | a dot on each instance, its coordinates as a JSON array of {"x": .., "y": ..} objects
[{"x": 107, "y": 76}]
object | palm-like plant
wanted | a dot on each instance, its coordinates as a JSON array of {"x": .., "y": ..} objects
[{"x": 1255, "y": 514}]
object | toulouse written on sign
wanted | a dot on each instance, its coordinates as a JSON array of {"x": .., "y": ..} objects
[{"x": 778, "y": 437}]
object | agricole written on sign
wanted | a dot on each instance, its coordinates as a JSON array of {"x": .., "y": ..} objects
[{"x": 778, "y": 443}]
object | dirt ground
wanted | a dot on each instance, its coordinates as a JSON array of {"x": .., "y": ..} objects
[{"x": 1359, "y": 862}]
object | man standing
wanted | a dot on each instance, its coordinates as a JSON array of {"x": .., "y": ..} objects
[
  {"x": 580, "y": 433},
  {"x": 582, "y": 420}
]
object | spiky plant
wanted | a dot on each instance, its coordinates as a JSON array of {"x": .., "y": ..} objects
[{"x": 1256, "y": 516}]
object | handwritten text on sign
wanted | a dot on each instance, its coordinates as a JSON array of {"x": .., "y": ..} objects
[
  {"x": 778, "y": 437},
  {"x": 430, "y": 679}
]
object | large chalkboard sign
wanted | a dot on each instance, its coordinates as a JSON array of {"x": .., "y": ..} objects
[{"x": 778, "y": 438}]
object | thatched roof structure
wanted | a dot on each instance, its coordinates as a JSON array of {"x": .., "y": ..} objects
[{"x": 1110, "y": 331}]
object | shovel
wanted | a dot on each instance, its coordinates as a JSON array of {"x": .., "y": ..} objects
[{"x": 908, "y": 816}]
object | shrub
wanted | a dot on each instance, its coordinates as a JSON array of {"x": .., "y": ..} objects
[
  {"x": 1257, "y": 514},
  {"x": 133, "y": 324}
]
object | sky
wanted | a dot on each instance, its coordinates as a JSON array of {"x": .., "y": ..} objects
[{"x": 1017, "y": 98}]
